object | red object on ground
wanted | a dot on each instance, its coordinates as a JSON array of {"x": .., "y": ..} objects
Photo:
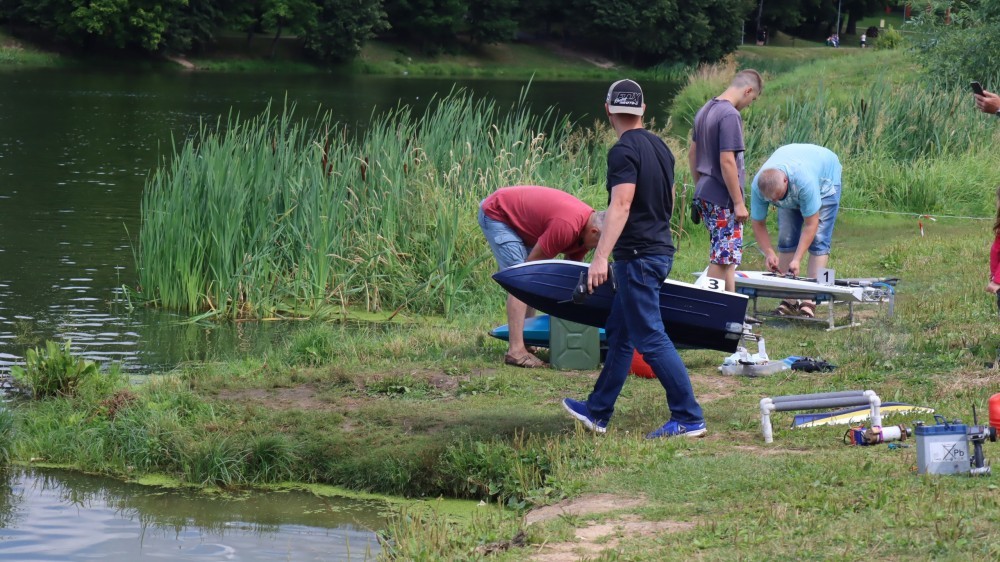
[
  {"x": 642, "y": 369},
  {"x": 994, "y": 411}
]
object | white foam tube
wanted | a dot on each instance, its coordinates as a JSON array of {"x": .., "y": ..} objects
[
  {"x": 876, "y": 405},
  {"x": 762, "y": 351},
  {"x": 818, "y": 395},
  {"x": 766, "y": 407}
]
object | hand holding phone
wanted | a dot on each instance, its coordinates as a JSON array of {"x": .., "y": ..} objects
[{"x": 977, "y": 88}]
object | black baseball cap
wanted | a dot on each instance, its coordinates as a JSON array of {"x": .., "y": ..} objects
[{"x": 625, "y": 96}]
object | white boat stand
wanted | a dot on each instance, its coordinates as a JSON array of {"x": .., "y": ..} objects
[
  {"x": 815, "y": 402},
  {"x": 872, "y": 295}
]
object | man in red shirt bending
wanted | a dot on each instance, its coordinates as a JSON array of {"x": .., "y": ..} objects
[{"x": 526, "y": 223}]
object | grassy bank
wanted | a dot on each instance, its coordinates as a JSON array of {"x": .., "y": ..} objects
[
  {"x": 17, "y": 54},
  {"x": 515, "y": 60},
  {"x": 520, "y": 60},
  {"x": 426, "y": 409}
]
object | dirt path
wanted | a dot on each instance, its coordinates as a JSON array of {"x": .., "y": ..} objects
[{"x": 595, "y": 536}]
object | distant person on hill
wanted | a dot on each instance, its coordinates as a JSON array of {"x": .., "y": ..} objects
[
  {"x": 637, "y": 233},
  {"x": 716, "y": 161},
  {"x": 526, "y": 223},
  {"x": 762, "y": 35},
  {"x": 863, "y": 40},
  {"x": 803, "y": 182}
]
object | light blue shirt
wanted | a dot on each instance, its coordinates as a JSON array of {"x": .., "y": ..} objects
[{"x": 813, "y": 173}]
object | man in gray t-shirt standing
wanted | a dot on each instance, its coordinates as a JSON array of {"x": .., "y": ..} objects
[{"x": 716, "y": 161}]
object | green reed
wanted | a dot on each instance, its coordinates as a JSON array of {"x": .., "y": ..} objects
[{"x": 280, "y": 215}]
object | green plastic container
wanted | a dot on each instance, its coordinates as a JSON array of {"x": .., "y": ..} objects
[{"x": 574, "y": 346}]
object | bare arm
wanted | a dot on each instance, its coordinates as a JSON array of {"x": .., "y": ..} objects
[
  {"x": 764, "y": 243},
  {"x": 809, "y": 227},
  {"x": 614, "y": 223},
  {"x": 537, "y": 254},
  {"x": 731, "y": 175}
]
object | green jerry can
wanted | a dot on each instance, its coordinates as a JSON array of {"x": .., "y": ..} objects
[{"x": 573, "y": 345}]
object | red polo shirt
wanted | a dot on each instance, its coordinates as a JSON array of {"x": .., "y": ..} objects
[{"x": 549, "y": 218}]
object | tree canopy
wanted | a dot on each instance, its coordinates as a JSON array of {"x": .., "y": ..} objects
[{"x": 333, "y": 31}]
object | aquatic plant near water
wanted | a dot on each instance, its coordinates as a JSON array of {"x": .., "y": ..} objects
[{"x": 53, "y": 372}]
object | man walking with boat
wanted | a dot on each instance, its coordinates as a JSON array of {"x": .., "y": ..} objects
[
  {"x": 803, "y": 182},
  {"x": 526, "y": 223},
  {"x": 637, "y": 234}
]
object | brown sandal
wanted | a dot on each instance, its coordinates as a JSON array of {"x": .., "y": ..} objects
[
  {"x": 807, "y": 309},
  {"x": 787, "y": 308},
  {"x": 528, "y": 361}
]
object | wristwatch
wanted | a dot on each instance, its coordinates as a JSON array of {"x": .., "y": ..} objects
[{"x": 997, "y": 113}]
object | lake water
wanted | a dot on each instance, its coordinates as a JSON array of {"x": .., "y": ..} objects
[
  {"x": 52, "y": 515},
  {"x": 76, "y": 147}
]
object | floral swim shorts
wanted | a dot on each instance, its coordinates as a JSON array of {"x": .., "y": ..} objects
[{"x": 726, "y": 234}]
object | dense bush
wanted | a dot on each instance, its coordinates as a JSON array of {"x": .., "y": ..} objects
[
  {"x": 888, "y": 38},
  {"x": 958, "y": 43}
]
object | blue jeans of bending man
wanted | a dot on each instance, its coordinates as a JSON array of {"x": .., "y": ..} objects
[
  {"x": 635, "y": 323},
  {"x": 790, "y": 227}
]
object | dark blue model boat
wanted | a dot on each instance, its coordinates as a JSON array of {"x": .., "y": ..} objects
[{"x": 693, "y": 316}]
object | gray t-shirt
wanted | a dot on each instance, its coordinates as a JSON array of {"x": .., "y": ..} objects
[{"x": 717, "y": 128}]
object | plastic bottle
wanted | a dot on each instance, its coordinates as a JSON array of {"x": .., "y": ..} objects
[{"x": 995, "y": 411}]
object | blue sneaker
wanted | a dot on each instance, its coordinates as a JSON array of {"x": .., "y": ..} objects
[
  {"x": 673, "y": 429},
  {"x": 580, "y": 411}
]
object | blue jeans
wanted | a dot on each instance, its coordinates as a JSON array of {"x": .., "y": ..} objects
[
  {"x": 508, "y": 248},
  {"x": 790, "y": 227},
  {"x": 635, "y": 323}
]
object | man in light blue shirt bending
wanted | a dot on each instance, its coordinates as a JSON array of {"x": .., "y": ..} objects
[{"x": 803, "y": 182}]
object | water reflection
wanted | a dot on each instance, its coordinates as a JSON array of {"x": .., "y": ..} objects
[{"x": 59, "y": 515}]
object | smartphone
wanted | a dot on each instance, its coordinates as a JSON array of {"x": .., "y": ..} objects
[{"x": 977, "y": 88}]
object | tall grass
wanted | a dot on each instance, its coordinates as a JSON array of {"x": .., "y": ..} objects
[
  {"x": 905, "y": 144},
  {"x": 277, "y": 215}
]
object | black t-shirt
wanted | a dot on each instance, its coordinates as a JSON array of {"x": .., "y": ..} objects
[{"x": 642, "y": 158}]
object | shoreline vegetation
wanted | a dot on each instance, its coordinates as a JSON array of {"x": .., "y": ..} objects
[
  {"x": 541, "y": 59},
  {"x": 424, "y": 408}
]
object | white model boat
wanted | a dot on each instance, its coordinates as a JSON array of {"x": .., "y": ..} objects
[{"x": 772, "y": 285}]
